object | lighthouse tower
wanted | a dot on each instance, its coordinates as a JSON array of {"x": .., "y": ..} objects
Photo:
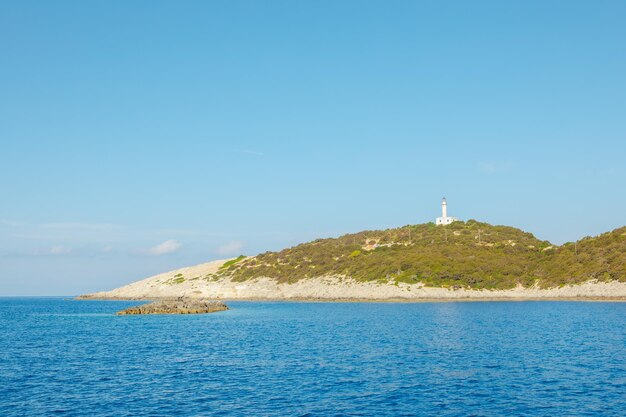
[{"x": 444, "y": 219}]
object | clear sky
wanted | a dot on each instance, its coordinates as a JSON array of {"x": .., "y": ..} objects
[{"x": 141, "y": 136}]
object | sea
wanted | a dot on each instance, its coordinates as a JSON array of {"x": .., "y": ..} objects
[{"x": 64, "y": 357}]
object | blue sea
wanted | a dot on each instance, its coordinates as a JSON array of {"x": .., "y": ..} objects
[{"x": 77, "y": 358}]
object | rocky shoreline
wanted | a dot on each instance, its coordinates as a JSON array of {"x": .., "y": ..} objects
[
  {"x": 176, "y": 306},
  {"x": 337, "y": 288}
]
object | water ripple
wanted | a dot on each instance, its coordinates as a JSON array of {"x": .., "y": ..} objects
[{"x": 77, "y": 358}]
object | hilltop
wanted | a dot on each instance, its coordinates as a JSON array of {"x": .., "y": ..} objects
[
  {"x": 463, "y": 254},
  {"x": 462, "y": 259},
  {"x": 471, "y": 254}
]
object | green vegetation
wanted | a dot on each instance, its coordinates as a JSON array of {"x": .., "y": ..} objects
[
  {"x": 461, "y": 255},
  {"x": 602, "y": 258},
  {"x": 232, "y": 262},
  {"x": 176, "y": 279},
  {"x": 212, "y": 277}
]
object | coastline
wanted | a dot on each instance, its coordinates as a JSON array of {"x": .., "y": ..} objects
[
  {"x": 338, "y": 289},
  {"x": 618, "y": 299}
]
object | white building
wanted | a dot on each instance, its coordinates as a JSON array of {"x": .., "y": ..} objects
[{"x": 444, "y": 219}]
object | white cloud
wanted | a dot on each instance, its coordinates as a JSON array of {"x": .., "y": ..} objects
[
  {"x": 493, "y": 168},
  {"x": 45, "y": 251},
  {"x": 81, "y": 226},
  {"x": 487, "y": 168},
  {"x": 58, "y": 250},
  {"x": 169, "y": 246},
  {"x": 230, "y": 248},
  {"x": 9, "y": 223},
  {"x": 250, "y": 152},
  {"x": 76, "y": 233}
]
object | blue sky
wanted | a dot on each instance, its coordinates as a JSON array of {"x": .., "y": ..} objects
[{"x": 143, "y": 136}]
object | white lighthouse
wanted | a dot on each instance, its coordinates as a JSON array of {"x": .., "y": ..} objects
[{"x": 444, "y": 219}]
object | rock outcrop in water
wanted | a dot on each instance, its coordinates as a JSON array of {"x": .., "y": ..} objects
[{"x": 177, "y": 306}]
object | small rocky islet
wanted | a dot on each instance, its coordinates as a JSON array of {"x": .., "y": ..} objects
[{"x": 176, "y": 306}]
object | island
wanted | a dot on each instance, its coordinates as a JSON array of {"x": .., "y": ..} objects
[
  {"x": 460, "y": 260},
  {"x": 176, "y": 306}
]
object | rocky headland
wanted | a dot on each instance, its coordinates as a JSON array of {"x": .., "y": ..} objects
[{"x": 461, "y": 261}]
